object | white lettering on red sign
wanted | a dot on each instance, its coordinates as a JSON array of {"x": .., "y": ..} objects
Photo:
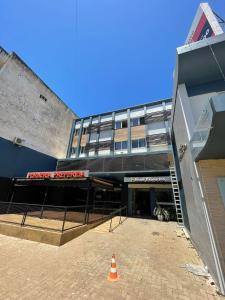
[{"x": 60, "y": 174}]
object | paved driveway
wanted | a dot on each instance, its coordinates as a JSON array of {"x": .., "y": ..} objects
[{"x": 149, "y": 257}]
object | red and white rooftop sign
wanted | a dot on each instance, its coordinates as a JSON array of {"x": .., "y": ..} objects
[
  {"x": 205, "y": 25},
  {"x": 58, "y": 174}
]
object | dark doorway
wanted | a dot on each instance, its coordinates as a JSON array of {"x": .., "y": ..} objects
[{"x": 142, "y": 205}]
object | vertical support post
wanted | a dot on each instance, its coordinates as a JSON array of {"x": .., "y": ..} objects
[
  {"x": 11, "y": 197},
  {"x": 79, "y": 138},
  {"x": 44, "y": 200},
  {"x": 129, "y": 132},
  {"x": 89, "y": 134},
  {"x": 146, "y": 130},
  {"x": 64, "y": 219},
  {"x": 113, "y": 133},
  {"x": 69, "y": 149},
  {"x": 120, "y": 215},
  {"x": 166, "y": 123},
  {"x": 86, "y": 217},
  {"x": 24, "y": 217}
]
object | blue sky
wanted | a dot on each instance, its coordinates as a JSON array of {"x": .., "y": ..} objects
[{"x": 106, "y": 55}]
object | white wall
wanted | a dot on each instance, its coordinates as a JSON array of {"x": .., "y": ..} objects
[{"x": 43, "y": 126}]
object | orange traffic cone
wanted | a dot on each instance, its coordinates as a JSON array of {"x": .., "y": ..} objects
[{"x": 113, "y": 276}]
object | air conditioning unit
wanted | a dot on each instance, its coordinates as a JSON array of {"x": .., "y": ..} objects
[{"x": 17, "y": 141}]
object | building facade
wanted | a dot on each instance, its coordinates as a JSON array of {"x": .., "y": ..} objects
[
  {"x": 198, "y": 122},
  {"x": 131, "y": 146},
  {"x": 34, "y": 123}
]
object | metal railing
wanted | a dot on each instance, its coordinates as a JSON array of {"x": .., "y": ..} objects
[
  {"x": 53, "y": 217},
  {"x": 121, "y": 212}
]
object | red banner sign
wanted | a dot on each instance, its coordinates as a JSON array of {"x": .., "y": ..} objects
[{"x": 59, "y": 174}]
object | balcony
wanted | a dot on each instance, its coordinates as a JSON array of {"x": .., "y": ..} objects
[{"x": 208, "y": 140}]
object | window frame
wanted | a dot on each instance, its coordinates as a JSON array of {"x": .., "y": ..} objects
[
  {"x": 131, "y": 122},
  {"x": 141, "y": 121},
  {"x": 73, "y": 150},
  {"x": 138, "y": 141},
  {"x": 76, "y": 131},
  {"x": 122, "y": 124},
  {"x": 121, "y": 145},
  {"x": 84, "y": 131},
  {"x": 82, "y": 149}
]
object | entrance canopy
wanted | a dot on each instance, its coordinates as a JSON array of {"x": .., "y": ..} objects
[{"x": 86, "y": 182}]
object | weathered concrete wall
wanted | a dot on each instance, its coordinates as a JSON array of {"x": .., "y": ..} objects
[{"x": 43, "y": 125}]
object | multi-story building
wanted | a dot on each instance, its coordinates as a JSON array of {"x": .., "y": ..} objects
[
  {"x": 131, "y": 146},
  {"x": 198, "y": 123},
  {"x": 34, "y": 122}
]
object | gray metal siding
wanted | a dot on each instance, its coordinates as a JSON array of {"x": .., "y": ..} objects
[{"x": 198, "y": 226}]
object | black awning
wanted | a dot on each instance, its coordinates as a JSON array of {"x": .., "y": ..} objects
[{"x": 67, "y": 182}]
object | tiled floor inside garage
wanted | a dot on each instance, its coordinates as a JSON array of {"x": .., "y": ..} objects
[{"x": 149, "y": 257}]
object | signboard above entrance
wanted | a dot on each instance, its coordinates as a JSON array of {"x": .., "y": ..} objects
[
  {"x": 148, "y": 179},
  {"x": 58, "y": 175},
  {"x": 205, "y": 24}
]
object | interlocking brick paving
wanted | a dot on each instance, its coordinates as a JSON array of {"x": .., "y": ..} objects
[{"x": 149, "y": 257}]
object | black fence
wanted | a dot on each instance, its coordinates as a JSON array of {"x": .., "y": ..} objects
[{"x": 51, "y": 217}]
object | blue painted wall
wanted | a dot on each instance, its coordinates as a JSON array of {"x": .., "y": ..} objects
[{"x": 17, "y": 161}]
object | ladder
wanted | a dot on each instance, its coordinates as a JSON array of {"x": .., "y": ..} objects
[{"x": 176, "y": 196}]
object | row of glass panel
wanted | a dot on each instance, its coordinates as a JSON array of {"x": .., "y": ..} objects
[
  {"x": 138, "y": 145},
  {"x": 152, "y": 128},
  {"x": 118, "y": 125},
  {"x": 134, "y": 113}
]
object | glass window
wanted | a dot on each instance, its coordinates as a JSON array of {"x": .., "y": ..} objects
[
  {"x": 135, "y": 144},
  {"x": 142, "y": 143},
  {"x": 117, "y": 145},
  {"x": 82, "y": 150},
  {"x": 118, "y": 125},
  {"x": 124, "y": 124},
  {"x": 121, "y": 145},
  {"x": 135, "y": 122},
  {"x": 124, "y": 145},
  {"x": 84, "y": 130},
  {"x": 142, "y": 121},
  {"x": 76, "y": 132},
  {"x": 73, "y": 150},
  {"x": 121, "y": 124}
]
